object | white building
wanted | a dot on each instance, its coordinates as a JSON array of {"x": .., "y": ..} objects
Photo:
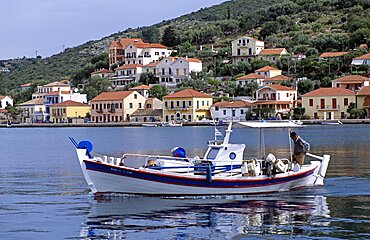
[
  {"x": 144, "y": 53},
  {"x": 244, "y": 48},
  {"x": 33, "y": 111},
  {"x": 230, "y": 111},
  {"x": 126, "y": 74},
  {"x": 362, "y": 60},
  {"x": 5, "y": 101},
  {"x": 50, "y": 87},
  {"x": 250, "y": 78},
  {"x": 268, "y": 72}
]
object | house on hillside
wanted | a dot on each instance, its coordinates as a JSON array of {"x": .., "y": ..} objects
[
  {"x": 244, "y": 48},
  {"x": 352, "y": 82},
  {"x": 25, "y": 87},
  {"x": 278, "y": 79},
  {"x": 5, "y": 101},
  {"x": 268, "y": 72},
  {"x": 328, "y": 103},
  {"x": 115, "y": 106},
  {"x": 117, "y": 49},
  {"x": 272, "y": 54},
  {"x": 142, "y": 89},
  {"x": 126, "y": 74},
  {"x": 248, "y": 79},
  {"x": 186, "y": 105},
  {"x": 103, "y": 73},
  {"x": 279, "y": 99},
  {"x": 332, "y": 55},
  {"x": 69, "y": 112},
  {"x": 230, "y": 110},
  {"x": 362, "y": 60}
]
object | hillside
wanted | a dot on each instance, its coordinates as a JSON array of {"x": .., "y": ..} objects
[{"x": 301, "y": 26}]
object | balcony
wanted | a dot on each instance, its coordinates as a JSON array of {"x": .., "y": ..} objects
[
  {"x": 99, "y": 110},
  {"x": 328, "y": 107},
  {"x": 267, "y": 99}
]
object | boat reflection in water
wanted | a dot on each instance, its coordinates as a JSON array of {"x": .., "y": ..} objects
[{"x": 121, "y": 217}]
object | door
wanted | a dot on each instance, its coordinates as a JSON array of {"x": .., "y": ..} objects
[{"x": 334, "y": 103}]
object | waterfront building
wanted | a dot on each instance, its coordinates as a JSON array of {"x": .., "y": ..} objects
[
  {"x": 69, "y": 112},
  {"x": 230, "y": 110},
  {"x": 244, "y": 48},
  {"x": 363, "y": 99},
  {"x": 115, "y": 106},
  {"x": 279, "y": 99},
  {"x": 328, "y": 103},
  {"x": 152, "y": 111},
  {"x": 352, "y": 82},
  {"x": 33, "y": 111},
  {"x": 186, "y": 105},
  {"x": 50, "y": 87}
]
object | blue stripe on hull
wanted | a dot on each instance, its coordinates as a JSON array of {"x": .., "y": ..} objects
[{"x": 189, "y": 181}]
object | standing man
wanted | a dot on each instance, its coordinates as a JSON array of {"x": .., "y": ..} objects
[{"x": 301, "y": 147}]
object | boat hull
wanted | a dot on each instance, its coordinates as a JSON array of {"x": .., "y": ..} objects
[{"x": 107, "y": 178}]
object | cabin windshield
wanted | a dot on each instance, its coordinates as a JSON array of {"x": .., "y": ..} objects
[{"x": 212, "y": 154}]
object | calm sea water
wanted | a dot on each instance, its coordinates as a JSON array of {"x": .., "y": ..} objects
[{"x": 43, "y": 194}]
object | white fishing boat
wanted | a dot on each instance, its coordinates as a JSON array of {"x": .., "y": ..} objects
[
  {"x": 331, "y": 122},
  {"x": 171, "y": 124},
  {"x": 149, "y": 125},
  {"x": 222, "y": 170}
]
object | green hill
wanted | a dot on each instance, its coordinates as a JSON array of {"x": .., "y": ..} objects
[{"x": 301, "y": 26}]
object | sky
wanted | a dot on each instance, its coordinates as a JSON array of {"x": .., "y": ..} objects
[{"x": 46, "y": 27}]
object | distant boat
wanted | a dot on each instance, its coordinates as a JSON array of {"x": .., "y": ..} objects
[
  {"x": 171, "y": 124},
  {"x": 331, "y": 122},
  {"x": 149, "y": 125}
]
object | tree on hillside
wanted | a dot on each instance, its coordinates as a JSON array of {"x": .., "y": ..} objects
[
  {"x": 158, "y": 91},
  {"x": 305, "y": 86},
  {"x": 147, "y": 78},
  {"x": 170, "y": 37},
  {"x": 95, "y": 86},
  {"x": 150, "y": 34}
]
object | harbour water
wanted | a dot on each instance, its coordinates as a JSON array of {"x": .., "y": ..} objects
[{"x": 43, "y": 194}]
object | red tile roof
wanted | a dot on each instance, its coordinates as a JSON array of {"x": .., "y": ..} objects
[
  {"x": 363, "y": 46},
  {"x": 273, "y": 51},
  {"x": 109, "y": 96},
  {"x": 26, "y": 85},
  {"x": 152, "y": 64},
  {"x": 70, "y": 103},
  {"x": 35, "y": 101},
  {"x": 148, "y": 45},
  {"x": 196, "y": 60},
  {"x": 129, "y": 66},
  {"x": 140, "y": 87},
  {"x": 363, "y": 57},
  {"x": 232, "y": 104},
  {"x": 277, "y": 78},
  {"x": 278, "y": 87},
  {"x": 250, "y": 76},
  {"x": 188, "y": 93},
  {"x": 364, "y": 91},
  {"x": 103, "y": 71},
  {"x": 332, "y": 54},
  {"x": 351, "y": 79},
  {"x": 266, "y": 68},
  {"x": 2, "y": 97},
  {"x": 322, "y": 92}
]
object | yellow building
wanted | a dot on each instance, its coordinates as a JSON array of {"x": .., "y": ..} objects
[
  {"x": 328, "y": 103},
  {"x": 363, "y": 99},
  {"x": 186, "y": 105},
  {"x": 68, "y": 112}
]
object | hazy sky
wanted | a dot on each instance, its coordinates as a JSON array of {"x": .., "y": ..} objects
[{"x": 47, "y": 26}]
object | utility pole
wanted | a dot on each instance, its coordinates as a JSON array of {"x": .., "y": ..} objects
[{"x": 36, "y": 53}]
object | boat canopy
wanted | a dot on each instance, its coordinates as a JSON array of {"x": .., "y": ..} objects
[{"x": 269, "y": 124}]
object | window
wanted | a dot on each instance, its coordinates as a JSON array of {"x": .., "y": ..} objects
[
  {"x": 241, "y": 111},
  {"x": 139, "y": 105},
  {"x": 189, "y": 103},
  {"x": 165, "y": 103},
  {"x": 163, "y": 71},
  {"x": 131, "y": 105},
  {"x": 177, "y": 103},
  {"x": 345, "y": 102},
  {"x": 156, "y": 53},
  {"x": 212, "y": 154},
  {"x": 92, "y": 106},
  {"x": 183, "y": 105},
  {"x": 120, "y": 105},
  {"x": 310, "y": 102},
  {"x": 185, "y": 72},
  {"x": 135, "y": 96},
  {"x": 202, "y": 103},
  {"x": 216, "y": 108},
  {"x": 224, "y": 112}
]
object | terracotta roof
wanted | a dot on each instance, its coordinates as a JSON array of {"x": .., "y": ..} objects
[
  {"x": 266, "y": 68},
  {"x": 115, "y": 44},
  {"x": 103, "y": 71},
  {"x": 364, "y": 91},
  {"x": 36, "y": 101},
  {"x": 363, "y": 46},
  {"x": 152, "y": 64},
  {"x": 140, "y": 87},
  {"x": 109, "y": 96},
  {"x": 148, "y": 45},
  {"x": 250, "y": 76},
  {"x": 70, "y": 103},
  {"x": 188, "y": 93},
  {"x": 332, "y": 54},
  {"x": 277, "y": 78},
  {"x": 278, "y": 87},
  {"x": 2, "y": 97},
  {"x": 26, "y": 85},
  {"x": 351, "y": 79},
  {"x": 129, "y": 66},
  {"x": 55, "y": 84},
  {"x": 56, "y": 93},
  {"x": 363, "y": 57},
  {"x": 272, "y": 51},
  {"x": 232, "y": 104},
  {"x": 322, "y": 92},
  {"x": 196, "y": 60}
]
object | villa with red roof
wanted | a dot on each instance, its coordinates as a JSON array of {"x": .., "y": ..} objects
[
  {"x": 352, "y": 82},
  {"x": 186, "y": 105},
  {"x": 268, "y": 72},
  {"x": 362, "y": 60},
  {"x": 142, "y": 89},
  {"x": 272, "y": 54},
  {"x": 278, "y": 98},
  {"x": 103, "y": 73},
  {"x": 332, "y": 55},
  {"x": 115, "y": 106},
  {"x": 68, "y": 112},
  {"x": 244, "y": 48},
  {"x": 363, "y": 99},
  {"x": 328, "y": 103},
  {"x": 248, "y": 79}
]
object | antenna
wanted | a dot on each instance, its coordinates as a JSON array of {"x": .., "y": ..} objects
[{"x": 36, "y": 53}]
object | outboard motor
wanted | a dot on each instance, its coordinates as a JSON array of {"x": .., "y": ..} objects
[{"x": 178, "y": 152}]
